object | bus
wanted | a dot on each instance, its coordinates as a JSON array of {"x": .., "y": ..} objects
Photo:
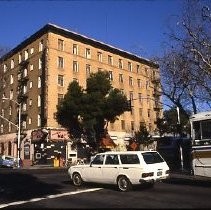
[{"x": 201, "y": 143}]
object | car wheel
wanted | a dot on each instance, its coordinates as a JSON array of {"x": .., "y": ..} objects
[
  {"x": 124, "y": 184},
  {"x": 77, "y": 180}
]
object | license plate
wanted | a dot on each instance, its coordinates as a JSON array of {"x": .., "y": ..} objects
[{"x": 159, "y": 173}]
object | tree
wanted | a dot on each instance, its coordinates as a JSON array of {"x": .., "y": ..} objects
[
  {"x": 87, "y": 112},
  {"x": 186, "y": 64},
  {"x": 169, "y": 123}
]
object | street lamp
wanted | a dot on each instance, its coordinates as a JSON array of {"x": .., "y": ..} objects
[{"x": 18, "y": 127}]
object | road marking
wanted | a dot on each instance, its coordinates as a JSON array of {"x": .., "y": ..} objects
[{"x": 48, "y": 197}]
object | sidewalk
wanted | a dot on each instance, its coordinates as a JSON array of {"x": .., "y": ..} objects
[{"x": 186, "y": 176}]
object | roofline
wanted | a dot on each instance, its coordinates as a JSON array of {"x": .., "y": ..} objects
[{"x": 70, "y": 34}]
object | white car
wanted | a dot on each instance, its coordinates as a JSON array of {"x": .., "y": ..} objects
[{"x": 123, "y": 169}]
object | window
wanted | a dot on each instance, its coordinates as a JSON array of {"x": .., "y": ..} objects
[
  {"x": 2, "y": 129},
  {"x": 110, "y": 60},
  {"x": 88, "y": 70},
  {"x": 130, "y": 66},
  {"x": 30, "y": 121},
  {"x": 26, "y": 55},
  {"x": 5, "y": 67},
  {"x": 148, "y": 112},
  {"x": 112, "y": 160},
  {"x": 40, "y": 63},
  {"x": 30, "y": 84},
  {"x": 39, "y": 82},
  {"x": 20, "y": 58},
  {"x": 38, "y": 101},
  {"x": 24, "y": 107},
  {"x": 98, "y": 160},
  {"x": 130, "y": 81},
  {"x": 60, "y": 98},
  {"x": 120, "y": 64},
  {"x": 30, "y": 102},
  {"x": 41, "y": 46},
  {"x": 100, "y": 56},
  {"x": 60, "y": 44},
  {"x": 111, "y": 75},
  {"x": 121, "y": 78},
  {"x": 138, "y": 68},
  {"x": 38, "y": 120},
  {"x": 152, "y": 157},
  {"x": 147, "y": 84},
  {"x": 88, "y": 53},
  {"x": 24, "y": 124},
  {"x": 123, "y": 124},
  {"x": 25, "y": 89},
  {"x": 140, "y": 112},
  {"x": 25, "y": 72},
  {"x": 32, "y": 51},
  {"x": 11, "y": 79},
  {"x": 61, "y": 80},
  {"x": 31, "y": 67},
  {"x": 129, "y": 159},
  {"x": 10, "y": 110},
  {"x": 140, "y": 97},
  {"x": 12, "y": 63},
  {"x": 11, "y": 94},
  {"x": 75, "y": 66},
  {"x": 60, "y": 62},
  {"x": 2, "y": 112},
  {"x": 139, "y": 83},
  {"x": 9, "y": 127},
  {"x": 75, "y": 49},
  {"x": 132, "y": 125},
  {"x": 131, "y": 95}
]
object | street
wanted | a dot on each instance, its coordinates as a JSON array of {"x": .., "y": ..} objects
[{"x": 51, "y": 188}]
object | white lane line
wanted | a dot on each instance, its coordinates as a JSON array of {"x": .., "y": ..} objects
[{"x": 48, "y": 197}]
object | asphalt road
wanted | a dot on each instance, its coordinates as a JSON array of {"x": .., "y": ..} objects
[{"x": 51, "y": 188}]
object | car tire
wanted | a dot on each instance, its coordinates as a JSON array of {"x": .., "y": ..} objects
[
  {"x": 124, "y": 184},
  {"x": 77, "y": 180}
]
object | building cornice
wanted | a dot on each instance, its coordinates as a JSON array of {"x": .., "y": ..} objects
[{"x": 77, "y": 37}]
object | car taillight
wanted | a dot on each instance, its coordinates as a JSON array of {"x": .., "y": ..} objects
[
  {"x": 167, "y": 171},
  {"x": 144, "y": 175}
]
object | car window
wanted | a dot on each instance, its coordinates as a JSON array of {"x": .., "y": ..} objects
[
  {"x": 112, "y": 160},
  {"x": 129, "y": 159},
  {"x": 98, "y": 159},
  {"x": 152, "y": 157}
]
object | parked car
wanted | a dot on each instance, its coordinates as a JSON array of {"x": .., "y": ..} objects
[
  {"x": 123, "y": 169},
  {"x": 7, "y": 161}
]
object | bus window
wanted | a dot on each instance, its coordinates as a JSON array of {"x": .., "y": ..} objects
[
  {"x": 197, "y": 131},
  {"x": 206, "y": 131}
]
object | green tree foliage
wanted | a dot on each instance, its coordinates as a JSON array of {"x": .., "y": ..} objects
[
  {"x": 169, "y": 123},
  {"x": 87, "y": 111},
  {"x": 142, "y": 136}
]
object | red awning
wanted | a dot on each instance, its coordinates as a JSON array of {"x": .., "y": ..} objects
[{"x": 107, "y": 143}]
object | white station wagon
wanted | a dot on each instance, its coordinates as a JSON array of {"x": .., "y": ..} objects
[{"x": 123, "y": 169}]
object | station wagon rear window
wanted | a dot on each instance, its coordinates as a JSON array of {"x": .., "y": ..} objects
[
  {"x": 152, "y": 157},
  {"x": 129, "y": 159}
]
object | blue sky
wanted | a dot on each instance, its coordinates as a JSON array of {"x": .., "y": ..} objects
[{"x": 136, "y": 26}]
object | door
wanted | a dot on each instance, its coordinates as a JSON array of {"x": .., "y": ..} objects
[{"x": 110, "y": 169}]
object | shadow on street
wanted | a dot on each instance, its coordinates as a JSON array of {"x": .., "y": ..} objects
[{"x": 18, "y": 186}]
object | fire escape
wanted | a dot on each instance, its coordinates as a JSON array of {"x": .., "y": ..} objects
[
  {"x": 22, "y": 91},
  {"x": 157, "y": 94}
]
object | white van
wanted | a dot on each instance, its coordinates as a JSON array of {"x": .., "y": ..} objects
[{"x": 121, "y": 168}]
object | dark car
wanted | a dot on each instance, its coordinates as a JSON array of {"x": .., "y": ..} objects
[{"x": 7, "y": 161}]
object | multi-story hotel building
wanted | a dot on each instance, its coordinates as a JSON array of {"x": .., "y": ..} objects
[{"x": 36, "y": 74}]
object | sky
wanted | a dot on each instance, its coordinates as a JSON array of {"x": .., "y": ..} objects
[{"x": 136, "y": 26}]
